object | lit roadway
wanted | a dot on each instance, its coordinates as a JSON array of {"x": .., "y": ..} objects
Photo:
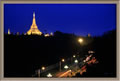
[
  {"x": 63, "y": 74},
  {"x": 68, "y": 72},
  {"x": 74, "y": 68}
]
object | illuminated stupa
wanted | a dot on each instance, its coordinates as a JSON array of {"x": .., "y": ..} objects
[
  {"x": 34, "y": 29},
  {"x": 9, "y": 32}
]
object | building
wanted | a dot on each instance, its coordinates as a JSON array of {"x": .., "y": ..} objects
[
  {"x": 88, "y": 35},
  {"x": 34, "y": 29},
  {"x": 47, "y": 35}
]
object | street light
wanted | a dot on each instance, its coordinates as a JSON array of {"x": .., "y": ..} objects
[
  {"x": 84, "y": 61},
  {"x": 74, "y": 56},
  {"x": 49, "y": 75},
  {"x": 66, "y": 67},
  {"x": 63, "y": 60},
  {"x": 76, "y": 61},
  {"x": 43, "y": 68},
  {"x": 80, "y": 40},
  {"x": 60, "y": 63}
]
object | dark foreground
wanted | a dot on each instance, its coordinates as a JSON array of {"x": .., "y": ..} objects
[{"x": 24, "y": 54}]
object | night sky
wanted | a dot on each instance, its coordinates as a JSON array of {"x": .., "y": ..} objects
[{"x": 79, "y": 19}]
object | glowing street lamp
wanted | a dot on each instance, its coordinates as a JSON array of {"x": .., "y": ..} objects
[
  {"x": 63, "y": 60},
  {"x": 76, "y": 61},
  {"x": 80, "y": 40},
  {"x": 84, "y": 61},
  {"x": 60, "y": 63},
  {"x": 43, "y": 68},
  {"x": 66, "y": 67},
  {"x": 74, "y": 56},
  {"x": 49, "y": 75}
]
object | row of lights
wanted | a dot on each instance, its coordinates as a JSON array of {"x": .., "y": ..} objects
[
  {"x": 66, "y": 66},
  {"x": 80, "y": 40}
]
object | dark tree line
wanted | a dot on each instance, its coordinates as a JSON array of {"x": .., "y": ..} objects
[{"x": 23, "y": 54}]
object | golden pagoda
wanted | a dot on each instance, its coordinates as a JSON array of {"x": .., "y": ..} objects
[{"x": 34, "y": 29}]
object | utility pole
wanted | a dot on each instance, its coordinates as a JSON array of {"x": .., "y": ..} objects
[
  {"x": 60, "y": 66},
  {"x": 38, "y": 72}
]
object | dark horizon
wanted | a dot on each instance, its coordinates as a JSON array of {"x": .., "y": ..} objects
[{"x": 67, "y": 18}]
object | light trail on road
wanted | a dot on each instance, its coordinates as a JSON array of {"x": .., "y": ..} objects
[{"x": 64, "y": 74}]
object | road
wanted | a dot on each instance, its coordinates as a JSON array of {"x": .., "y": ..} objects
[
  {"x": 73, "y": 67},
  {"x": 63, "y": 74}
]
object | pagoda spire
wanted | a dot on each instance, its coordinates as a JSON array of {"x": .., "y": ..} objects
[
  {"x": 34, "y": 29},
  {"x": 9, "y": 32},
  {"x": 34, "y": 21},
  {"x": 33, "y": 14}
]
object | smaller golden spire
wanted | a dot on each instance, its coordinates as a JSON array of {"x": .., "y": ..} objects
[
  {"x": 9, "y": 32},
  {"x": 51, "y": 34},
  {"x": 33, "y": 14}
]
